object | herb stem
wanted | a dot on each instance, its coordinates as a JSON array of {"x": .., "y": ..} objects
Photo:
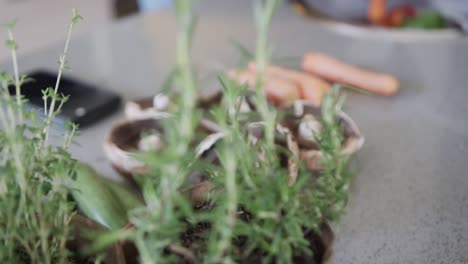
[
  {"x": 62, "y": 61},
  {"x": 184, "y": 63},
  {"x": 3, "y": 119},
  {"x": 11, "y": 114},
  {"x": 69, "y": 137},
  {"x": 34, "y": 198},
  {"x": 44, "y": 237},
  {"x": 230, "y": 165},
  {"x": 16, "y": 75},
  {"x": 264, "y": 11}
]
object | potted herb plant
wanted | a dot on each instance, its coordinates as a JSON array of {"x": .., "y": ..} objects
[
  {"x": 39, "y": 219},
  {"x": 262, "y": 205}
]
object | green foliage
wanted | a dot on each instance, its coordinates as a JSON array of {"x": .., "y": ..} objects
[
  {"x": 334, "y": 182},
  {"x": 168, "y": 213},
  {"x": 11, "y": 44},
  {"x": 76, "y": 17},
  {"x": 264, "y": 11},
  {"x": 10, "y": 25},
  {"x": 104, "y": 201},
  {"x": 247, "y": 56},
  {"x": 428, "y": 20},
  {"x": 34, "y": 208},
  {"x": 272, "y": 215},
  {"x": 254, "y": 210}
]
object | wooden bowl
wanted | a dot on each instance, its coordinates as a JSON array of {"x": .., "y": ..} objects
[
  {"x": 143, "y": 108},
  {"x": 122, "y": 142}
]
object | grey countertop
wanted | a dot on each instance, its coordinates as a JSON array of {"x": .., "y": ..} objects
[{"x": 409, "y": 201}]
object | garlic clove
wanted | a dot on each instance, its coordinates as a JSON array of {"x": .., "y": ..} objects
[
  {"x": 161, "y": 102},
  {"x": 298, "y": 108},
  {"x": 151, "y": 142},
  {"x": 309, "y": 129},
  {"x": 244, "y": 106}
]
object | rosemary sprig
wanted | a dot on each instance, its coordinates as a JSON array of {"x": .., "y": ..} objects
[
  {"x": 254, "y": 209},
  {"x": 166, "y": 206},
  {"x": 264, "y": 11},
  {"x": 332, "y": 188}
]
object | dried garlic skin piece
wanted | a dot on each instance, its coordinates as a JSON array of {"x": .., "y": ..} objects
[{"x": 309, "y": 129}]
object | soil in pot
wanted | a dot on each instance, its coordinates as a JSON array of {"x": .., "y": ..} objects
[{"x": 194, "y": 239}]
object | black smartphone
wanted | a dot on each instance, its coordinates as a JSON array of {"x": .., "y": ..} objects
[{"x": 86, "y": 104}]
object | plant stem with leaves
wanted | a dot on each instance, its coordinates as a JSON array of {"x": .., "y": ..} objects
[
  {"x": 186, "y": 22},
  {"x": 264, "y": 11},
  {"x": 54, "y": 95},
  {"x": 254, "y": 211},
  {"x": 34, "y": 209},
  {"x": 169, "y": 169},
  {"x": 333, "y": 185},
  {"x": 13, "y": 46}
]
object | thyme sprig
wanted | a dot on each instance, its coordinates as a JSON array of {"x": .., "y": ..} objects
[{"x": 35, "y": 212}]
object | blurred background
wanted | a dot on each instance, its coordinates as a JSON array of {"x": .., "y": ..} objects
[{"x": 41, "y": 22}]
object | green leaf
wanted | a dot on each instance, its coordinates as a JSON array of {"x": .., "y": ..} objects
[
  {"x": 11, "y": 25},
  {"x": 76, "y": 17},
  {"x": 168, "y": 83},
  {"x": 5, "y": 77},
  {"x": 191, "y": 29},
  {"x": 25, "y": 79},
  {"x": 96, "y": 200},
  {"x": 127, "y": 198},
  {"x": 426, "y": 20},
  {"x": 356, "y": 89},
  {"x": 246, "y": 55},
  {"x": 104, "y": 239},
  {"x": 11, "y": 44}
]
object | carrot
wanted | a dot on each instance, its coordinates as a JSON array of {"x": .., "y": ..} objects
[
  {"x": 311, "y": 87},
  {"x": 395, "y": 18},
  {"x": 334, "y": 70},
  {"x": 399, "y": 15},
  {"x": 376, "y": 12},
  {"x": 278, "y": 90}
]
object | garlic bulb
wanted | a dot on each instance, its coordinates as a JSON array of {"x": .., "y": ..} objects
[
  {"x": 134, "y": 111},
  {"x": 244, "y": 106},
  {"x": 309, "y": 129},
  {"x": 161, "y": 102},
  {"x": 151, "y": 142},
  {"x": 298, "y": 108}
]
